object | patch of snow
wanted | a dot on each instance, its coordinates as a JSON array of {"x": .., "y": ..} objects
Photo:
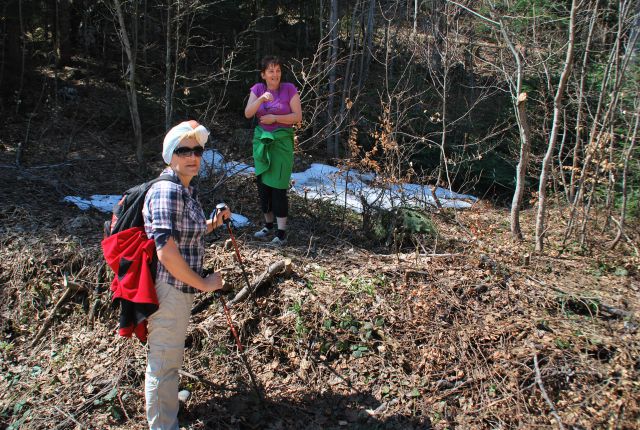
[
  {"x": 102, "y": 202},
  {"x": 323, "y": 182}
]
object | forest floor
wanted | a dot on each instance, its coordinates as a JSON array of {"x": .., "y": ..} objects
[{"x": 466, "y": 330}]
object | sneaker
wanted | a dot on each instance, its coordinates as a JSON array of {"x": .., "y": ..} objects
[
  {"x": 262, "y": 233},
  {"x": 278, "y": 242}
]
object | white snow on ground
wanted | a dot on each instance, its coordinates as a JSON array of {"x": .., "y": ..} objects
[{"x": 319, "y": 181}]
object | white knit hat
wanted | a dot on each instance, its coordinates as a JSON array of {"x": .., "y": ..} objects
[{"x": 179, "y": 132}]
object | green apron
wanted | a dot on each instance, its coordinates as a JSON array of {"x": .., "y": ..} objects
[{"x": 273, "y": 156}]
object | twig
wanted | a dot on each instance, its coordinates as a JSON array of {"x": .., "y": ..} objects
[
  {"x": 69, "y": 416},
  {"x": 123, "y": 408},
  {"x": 72, "y": 288},
  {"x": 544, "y": 393}
]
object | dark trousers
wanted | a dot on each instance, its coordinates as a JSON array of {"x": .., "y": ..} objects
[{"x": 273, "y": 199}]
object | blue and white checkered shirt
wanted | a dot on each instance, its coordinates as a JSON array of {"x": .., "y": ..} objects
[{"x": 172, "y": 210}]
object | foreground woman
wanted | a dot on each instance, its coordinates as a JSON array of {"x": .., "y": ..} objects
[{"x": 174, "y": 219}]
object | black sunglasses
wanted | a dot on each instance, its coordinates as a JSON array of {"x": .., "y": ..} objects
[{"x": 185, "y": 151}]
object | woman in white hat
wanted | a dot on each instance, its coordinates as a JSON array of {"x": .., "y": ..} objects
[{"x": 174, "y": 219}]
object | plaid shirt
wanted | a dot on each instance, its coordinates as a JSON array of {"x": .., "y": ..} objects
[{"x": 172, "y": 210}]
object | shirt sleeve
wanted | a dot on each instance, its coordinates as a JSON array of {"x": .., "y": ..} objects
[
  {"x": 292, "y": 90},
  {"x": 258, "y": 89},
  {"x": 165, "y": 203}
]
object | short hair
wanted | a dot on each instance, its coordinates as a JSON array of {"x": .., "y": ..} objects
[{"x": 270, "y": 60}]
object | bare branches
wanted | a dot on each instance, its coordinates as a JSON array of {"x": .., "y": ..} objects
[{"x": 544, "y": 392}]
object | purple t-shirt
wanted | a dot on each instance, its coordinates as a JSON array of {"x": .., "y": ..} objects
[{"x": 280, "y": 104}]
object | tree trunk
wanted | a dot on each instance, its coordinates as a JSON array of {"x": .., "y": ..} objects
[
  {"x": 625, "y": 174},
  {"x": 368, "y": 41},
  {"x": 525, "y": 138},
  {"x": 415, "y": 17},
  {"x": 346, "y": 83},
  {"x": 131, "y": 94},
  {"x": 579, "y": 119},
  {"x": 168, "y": 77},
  {"x": 62, "y": 43},
  {"x": 557, "y": 110},
  {"x": 12, "y": 66},
  {"x": 521, "y": 169},
  {"x": 332, "y": 149}
]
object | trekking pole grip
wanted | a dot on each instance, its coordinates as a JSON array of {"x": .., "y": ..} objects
[{"x": 219, "y": 208}]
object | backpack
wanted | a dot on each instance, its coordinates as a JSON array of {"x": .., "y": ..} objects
[
  {"x": 132, "y": 257},
  {"x": 127, "y": 213}
]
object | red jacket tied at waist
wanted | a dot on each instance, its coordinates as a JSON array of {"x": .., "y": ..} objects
[{"x": 132, "y": 256}]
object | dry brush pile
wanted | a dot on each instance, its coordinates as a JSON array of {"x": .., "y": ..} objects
[{"x": 466, "y": 338}]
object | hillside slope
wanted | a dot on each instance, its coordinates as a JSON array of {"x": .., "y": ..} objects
[{"x": 461, "y": 334}]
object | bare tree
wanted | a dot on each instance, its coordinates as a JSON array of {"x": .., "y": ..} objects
[
  {"x": 628, "y": 156},
  {"x": 332, "y": 148},
  {"x": 613, "y": 79},
  {"x": 131, "y": 52},
  {"x": 168, "y": 78},
  {"x": 581, "y": 101},
  {"x": 557, "y": 110}
]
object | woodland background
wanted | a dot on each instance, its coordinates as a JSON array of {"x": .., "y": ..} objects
[{"x": 533, "y": 106}]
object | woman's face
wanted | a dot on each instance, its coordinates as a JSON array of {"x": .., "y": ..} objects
[
  {"x": 187, "y": 165},
  {"x": 272, "y": 75}
]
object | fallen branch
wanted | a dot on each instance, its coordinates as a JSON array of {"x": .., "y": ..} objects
[
  {"x": 205, "y": 381},
  {"x": 277, "y": 268},
  {"x": 619, "y": 313},
  {"x": 72, "y": 288},
  {"x": 544, "y": 392}
]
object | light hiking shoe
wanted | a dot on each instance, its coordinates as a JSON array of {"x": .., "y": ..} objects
[
  {"x": 261, "y": 234},
  {"x": 278, "y": 242}
]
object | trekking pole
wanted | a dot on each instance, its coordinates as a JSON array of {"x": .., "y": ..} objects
[
  {"x": 219, "y": 208},
  {"x": 240, "y": 348}
]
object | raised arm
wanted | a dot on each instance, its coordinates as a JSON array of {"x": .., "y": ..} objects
[{"x": 254, "y": 103}]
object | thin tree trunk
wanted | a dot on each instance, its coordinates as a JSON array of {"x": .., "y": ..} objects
[
  {"x": 144, "y": 32},
  {"x": 168, "y": 77},
  {"x": 346, "y": 83},
  {"x": 332, "y": 149},
  {"x": 612, "y": 181},
  {"x": 579, "y": 119},
  {"x": 131, "y": 94},
  {"x": 415, "y": 17},
  {"x": 368, "y": 41},
  {"x": 523, "y": 162},
  {"x": 625, "y": 174},
  {"x": 525, "y": 139},
  {"x": 22, "y": 60},
  {"x": 557, "y": 110}
]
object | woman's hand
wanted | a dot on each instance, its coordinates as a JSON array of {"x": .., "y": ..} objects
[
  {"x": 268, "y": 119},
  {"x": 212, "y": 283},
  {"x": 266, "y": 97},
  {"x": 219, "y": 217}
]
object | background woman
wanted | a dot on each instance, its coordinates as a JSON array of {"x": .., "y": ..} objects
[{"x": 277, "y": 106}]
